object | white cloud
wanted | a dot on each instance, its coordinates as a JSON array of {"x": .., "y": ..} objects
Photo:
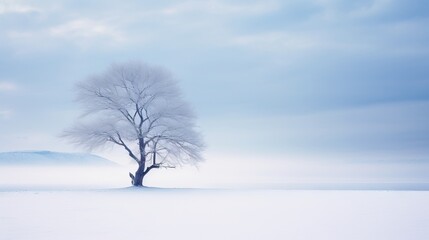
[
  {"x": 220, "y": 7},
  {"x": 7, "y": 86},
  {"x": 86, "y": 29},
  {"x": 82, "y": 32},
  {"x": 116, "y": 27},
  {"x": 7, "y": 6}
]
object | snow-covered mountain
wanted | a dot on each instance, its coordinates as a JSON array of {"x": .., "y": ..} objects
[{"x": 52, "y": 159}]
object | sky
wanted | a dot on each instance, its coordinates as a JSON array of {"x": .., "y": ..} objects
[{"x": 307, "y": 88}]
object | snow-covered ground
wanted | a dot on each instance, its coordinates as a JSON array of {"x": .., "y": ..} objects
[
  {"x": 213, "y": 214},
  {"x": 45, "y": 196}
]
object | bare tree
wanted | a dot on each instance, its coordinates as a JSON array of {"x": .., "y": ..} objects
[{"x": 140, "y": 109}]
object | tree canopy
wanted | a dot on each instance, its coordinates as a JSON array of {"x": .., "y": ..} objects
[{"x": 140, "y": 109}]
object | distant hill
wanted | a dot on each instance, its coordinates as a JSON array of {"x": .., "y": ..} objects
[{"x": 48, "y": 158}]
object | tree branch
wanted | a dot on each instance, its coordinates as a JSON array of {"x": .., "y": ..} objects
[{"x": 130, "y": 153}]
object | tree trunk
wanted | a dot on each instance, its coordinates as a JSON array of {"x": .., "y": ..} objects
[
  {"x": 138, "y": 177},
  {"x": 140, "y": 173}
]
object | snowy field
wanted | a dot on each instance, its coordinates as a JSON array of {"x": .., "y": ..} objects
[
  {"x": 47, "y": 199},
  {"x": 213, "y": 214}
]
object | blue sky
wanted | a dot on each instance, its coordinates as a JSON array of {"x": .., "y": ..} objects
[{"x": 323, "y": 81}]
